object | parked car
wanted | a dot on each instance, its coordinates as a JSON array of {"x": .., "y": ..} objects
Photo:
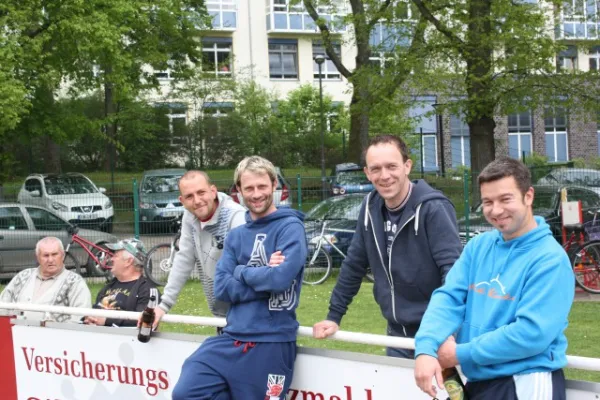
[
  {"x": 546, "y": 203},
  {"x": 341, "y": 214},
  {"x": 349, "y": 178},
  {"x": 572, "y": 176},
  {"x": 72, "y": 196},
  {"x": 281, "y": 197},
  {"x": 22, "y": 226},
  {"x": 159, "y": 199}
]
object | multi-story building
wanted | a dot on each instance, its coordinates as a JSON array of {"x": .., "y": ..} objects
[{"x": 274, "y": 44}]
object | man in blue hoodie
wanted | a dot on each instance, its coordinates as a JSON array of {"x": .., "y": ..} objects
[
  {"x": 508, "y": 297},
  {"x": 407, "y": 234},
  {"x": 260, "y": 275}
]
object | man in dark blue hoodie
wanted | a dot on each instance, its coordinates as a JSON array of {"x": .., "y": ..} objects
[
  {"x": 260, "y": 275},
  {"x": 407, "y": 233}
]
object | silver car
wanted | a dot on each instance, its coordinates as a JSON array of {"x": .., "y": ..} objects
[{"x": 22, "y": 226}]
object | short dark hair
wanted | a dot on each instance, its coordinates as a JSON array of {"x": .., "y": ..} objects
[
  {"x": 385, "y": 139},
  {"x": 504, "y": 167}
]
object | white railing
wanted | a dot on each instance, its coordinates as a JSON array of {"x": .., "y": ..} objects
[{"x": 585, "y": 363}]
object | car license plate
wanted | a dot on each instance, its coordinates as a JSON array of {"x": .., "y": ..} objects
[
  {"x": 170, "y": 213},
  {"x": 86, "y": 216}
]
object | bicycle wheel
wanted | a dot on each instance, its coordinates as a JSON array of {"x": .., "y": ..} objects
[
  {"x": 586, "y": 266},
  {"x": 95, "y": 269},
  {"x": 318, "y": 266},
  {"x": 72, "y": 263},
  {"x": 159, "y": 264}
]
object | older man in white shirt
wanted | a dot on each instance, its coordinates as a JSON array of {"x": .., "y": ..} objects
[{"x": 49, "y": 284}]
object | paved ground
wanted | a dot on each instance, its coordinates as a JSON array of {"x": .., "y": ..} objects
[{"x": 580, "y": 295}]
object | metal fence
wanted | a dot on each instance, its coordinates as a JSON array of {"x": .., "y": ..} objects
[{"x": 25, "y": 219}]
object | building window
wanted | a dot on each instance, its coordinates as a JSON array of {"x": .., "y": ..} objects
[
  {"x": 519, "y": 134},
  {"x": 556, "y": 134},
  {"x": 460, "y": 141},
  {"x": 567, "y": 59},
  {"x": 223, "y": 13},
  {"x": 217, "y": 109},
  {"x": 283, "y": 59},
  {"x": 216, "y": 57},
  {"x": 594, "y": 58},
  {"x": 423, "y": 113},
  {"x": 176, "y": 114},
  {"x": 328, "y": 69}
]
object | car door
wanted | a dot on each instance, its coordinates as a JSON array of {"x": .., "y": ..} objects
[
  {"x": 17, "y": 243},
  {"x": 47, "y": 224}
]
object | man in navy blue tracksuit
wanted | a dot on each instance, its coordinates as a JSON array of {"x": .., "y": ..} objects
[
  {"x": 407, "y": 233},
  {"x": 260, "y": 275}
]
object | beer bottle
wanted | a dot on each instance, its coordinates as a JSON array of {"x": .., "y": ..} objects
[
  {"x": 148, "y": 317},
  {"x": 454, "y": 384}
]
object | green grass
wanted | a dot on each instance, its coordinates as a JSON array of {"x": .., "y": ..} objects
[{"x": 364, "y": 316}]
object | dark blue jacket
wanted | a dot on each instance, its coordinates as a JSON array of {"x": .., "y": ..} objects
[
  {"x": 263, "y": 298},
  {"x": 424, "y": 249}
]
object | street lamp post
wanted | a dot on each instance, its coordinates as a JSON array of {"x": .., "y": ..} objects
[
  {"x": 440, "y": 122},
  {"x": 320, "y": 59}
]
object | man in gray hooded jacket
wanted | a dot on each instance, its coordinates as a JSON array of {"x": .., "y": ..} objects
[
  {"x": 407, "y": 233},
  {"x": 208, "y": 217}
]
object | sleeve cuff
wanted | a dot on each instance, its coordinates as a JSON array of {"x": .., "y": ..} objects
[
  {"x": 463, "y": 354},
  {"x": 334, "y": 317},
  {"x": 166, "y": 308},
  {"x": 426, "y": 346},
  {"x": 237, "y": 272}
]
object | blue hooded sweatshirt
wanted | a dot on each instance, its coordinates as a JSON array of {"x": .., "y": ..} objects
[
  {"x": 263, "y": 298},
  {"x": 510, "y": 299}
]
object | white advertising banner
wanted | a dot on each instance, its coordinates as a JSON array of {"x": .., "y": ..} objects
[
  {"x": 63, "y": 364},
  {"x": 84, "y": 363}
]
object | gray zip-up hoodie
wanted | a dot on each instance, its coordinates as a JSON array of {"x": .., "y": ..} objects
[
  {"x": 201, "y": 244},
  {"x": 424, "y": 249}
]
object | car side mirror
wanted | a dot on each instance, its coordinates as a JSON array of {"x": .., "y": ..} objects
[
  {"x": 35, "y": 193},
  {"x": 102, "y": 190}
]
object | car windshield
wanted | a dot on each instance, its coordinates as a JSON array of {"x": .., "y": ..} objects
[
  {"x": 338, "y": 208},
  {"x": 352, "y": 178},
  {"x": 56, "y": 185},
  {"x": 161, "y": 184}
]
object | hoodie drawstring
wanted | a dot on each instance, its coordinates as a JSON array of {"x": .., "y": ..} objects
[
  {"x": 247, "y": 345},
  {"x": 417, "y": 219}
]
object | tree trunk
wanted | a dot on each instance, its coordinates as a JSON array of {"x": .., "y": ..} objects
[
  {"x": 359, "y": 127},
  {"x": 481, "y": 103},
  {"x": 52, "y": 159}
]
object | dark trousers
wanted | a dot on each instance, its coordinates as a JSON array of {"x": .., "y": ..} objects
[
  {"x": 399, "y": 331},
  {"x": 505, "y": 389},
  {"x": 225, "y": 369}
]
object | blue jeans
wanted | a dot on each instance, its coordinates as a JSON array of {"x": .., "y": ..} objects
[{"x": 396, "y": 330}]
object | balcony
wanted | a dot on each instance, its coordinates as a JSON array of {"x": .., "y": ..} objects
[
  {"x": 283, "y": 17},
  {"x": 223, "y": 14}
]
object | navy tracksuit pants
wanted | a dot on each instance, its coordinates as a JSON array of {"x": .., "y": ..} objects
[{"x": 225, "y": 369}]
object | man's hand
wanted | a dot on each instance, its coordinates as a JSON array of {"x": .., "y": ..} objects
[
  {"x": 426, "y": 367},
  {"x": 94, "y": 321},
  {"x": 276, "y": 259},
  {"x": 447, "y": 353},
  {"x": 324, "y": 329},
  {"x": 158, "y": 314}
]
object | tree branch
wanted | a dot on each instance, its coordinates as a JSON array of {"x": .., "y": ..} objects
[
  {"x": 326, "y": 36},
  {"x": 379, "y": 14},
  {"x": 443, "y": 29}
]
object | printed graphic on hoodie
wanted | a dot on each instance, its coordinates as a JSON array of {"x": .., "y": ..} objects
[
  {"x": 494, "y": 289},
  {"x": 277, "y": 301}
]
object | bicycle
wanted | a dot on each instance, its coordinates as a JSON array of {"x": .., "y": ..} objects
[
  {"x": 98, "y": 263},
  {"x": 585, "y": 259},
  {"x": 318, "y": 267},
  {"x": 161, "y": 257}
]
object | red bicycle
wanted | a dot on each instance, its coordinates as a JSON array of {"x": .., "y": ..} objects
[
  {"x": 583, "y": 248},
  {"x": 99, "y": 261}
]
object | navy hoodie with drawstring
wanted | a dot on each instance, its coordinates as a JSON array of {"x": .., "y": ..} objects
[
  {"x": 263, "y": 298},
  {"x": 424, "y": 248}
]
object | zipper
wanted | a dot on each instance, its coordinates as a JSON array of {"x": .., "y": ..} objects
[{"x": 390, "y": 270}]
